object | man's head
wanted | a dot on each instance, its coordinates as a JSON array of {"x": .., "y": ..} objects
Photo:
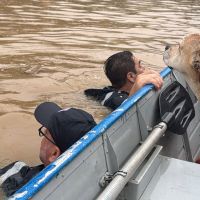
[
  {"x": 61, "y": 128},
  {"x": 122, "y": 67}
]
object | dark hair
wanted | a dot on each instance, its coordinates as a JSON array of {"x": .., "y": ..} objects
[{"x": 117, "y": 66}]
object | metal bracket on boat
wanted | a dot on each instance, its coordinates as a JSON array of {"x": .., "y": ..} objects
[
  {"x": 107, "y": 178},
  {"x": 110, "y": 155},
  {"x": 120, "y": 173},
  {"x": 143, "y": 127}
]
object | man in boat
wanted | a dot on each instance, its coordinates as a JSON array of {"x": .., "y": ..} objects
[
  {"x": 127, "y": 75},
  {"x": 61, "y": 128}
]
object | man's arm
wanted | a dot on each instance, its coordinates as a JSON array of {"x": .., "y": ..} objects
[
  {"x": 147, "y": 77},
  {"x": 15, "y": 175}
]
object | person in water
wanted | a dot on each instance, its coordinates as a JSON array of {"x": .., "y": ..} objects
[
  {"x": 60, "y": 129},
  {"x": 127, "y": 75}
]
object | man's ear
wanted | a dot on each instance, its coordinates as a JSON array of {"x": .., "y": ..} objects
[
  {"x": 196, "y": 60},
  {"x": 131, "y": 77},
  {"x": 54, "y": 154}
]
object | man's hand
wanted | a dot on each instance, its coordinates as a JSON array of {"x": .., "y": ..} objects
[{"x": 147, "y": 77}]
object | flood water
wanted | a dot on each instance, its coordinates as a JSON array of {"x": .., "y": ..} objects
[{"x": 53, "y": 50}]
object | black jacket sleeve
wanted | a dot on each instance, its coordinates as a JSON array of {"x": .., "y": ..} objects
[
  {"x": 108, "y": 96},
  {"x": 16, "y": 175}
]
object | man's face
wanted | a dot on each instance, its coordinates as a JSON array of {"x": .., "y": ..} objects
[
  {"x": 139, "y": 68},
  {"x": 46, "y": 147}
]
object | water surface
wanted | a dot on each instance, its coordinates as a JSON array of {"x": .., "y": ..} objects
[{"x": 53, "y": 50}]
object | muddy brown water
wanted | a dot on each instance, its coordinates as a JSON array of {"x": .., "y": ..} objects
[{"x": 53, "y": 50}]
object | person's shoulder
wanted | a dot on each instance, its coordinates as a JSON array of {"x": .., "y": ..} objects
[
  {"x": 98, "y": 94},
  {"x": 114, "y": 99},
  {"x": 109, "y": 96}
]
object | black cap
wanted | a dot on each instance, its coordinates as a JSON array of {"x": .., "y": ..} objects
[{"x": 66, "y": 126}]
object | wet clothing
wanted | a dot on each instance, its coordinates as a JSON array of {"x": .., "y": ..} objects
[
  {"x": 108, "y": 96},
  {"x": 15, "y": 175}
]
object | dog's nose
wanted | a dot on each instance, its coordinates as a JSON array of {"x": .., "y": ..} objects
[{"x": 167, "y": 47}]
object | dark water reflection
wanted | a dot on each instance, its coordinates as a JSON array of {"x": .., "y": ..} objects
[{"x": 53, "y": 50}]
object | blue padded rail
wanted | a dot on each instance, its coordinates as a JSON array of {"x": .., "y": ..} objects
[{"x": 41, "y": 179}]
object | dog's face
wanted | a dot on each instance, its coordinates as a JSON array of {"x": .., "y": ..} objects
[{"x": 184, "y": 56}]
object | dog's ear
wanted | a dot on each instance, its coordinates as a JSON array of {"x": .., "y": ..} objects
[{"x": 196, "y": 60}]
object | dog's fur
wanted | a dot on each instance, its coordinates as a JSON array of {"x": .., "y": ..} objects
[{"x": 185, "y": 58}]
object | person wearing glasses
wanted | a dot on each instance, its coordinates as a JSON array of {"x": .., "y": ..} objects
[
  {"x": 127, "y": 75},
  {"x": 60, "y": 129}
]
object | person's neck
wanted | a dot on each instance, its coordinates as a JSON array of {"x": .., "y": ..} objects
[{"x": 126, "y": 88}]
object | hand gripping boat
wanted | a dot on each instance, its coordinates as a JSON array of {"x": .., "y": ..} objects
[{"x": 143, "y": 150}]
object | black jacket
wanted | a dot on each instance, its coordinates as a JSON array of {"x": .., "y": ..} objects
[
  {"x": 15, "y": 175},
  {"x": 108, "y": 96}
]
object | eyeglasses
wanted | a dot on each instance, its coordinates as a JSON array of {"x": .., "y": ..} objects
[{"x": 41, "y": 134}]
